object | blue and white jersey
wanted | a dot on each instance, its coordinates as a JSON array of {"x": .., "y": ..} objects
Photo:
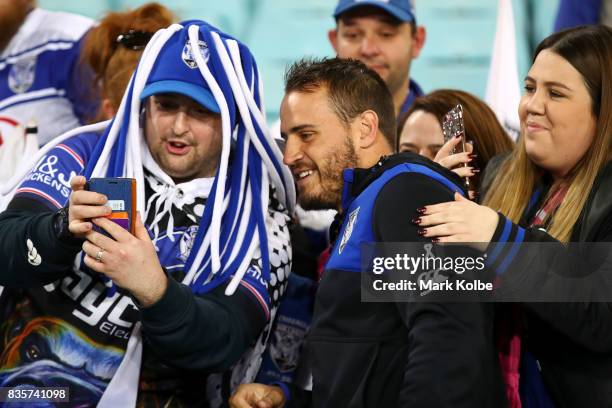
[
  {"x": 93, "y": 328},
  {"x": 39, "y": 81}
]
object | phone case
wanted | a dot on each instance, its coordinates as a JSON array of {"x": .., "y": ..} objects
[
  {"x": 452, "y": 126},
  {"x": 121, "y": 193}
]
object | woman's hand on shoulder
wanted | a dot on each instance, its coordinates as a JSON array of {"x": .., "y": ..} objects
[{"x": 457, "y": 221}]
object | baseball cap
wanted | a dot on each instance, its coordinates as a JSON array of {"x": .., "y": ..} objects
[
  {"x": 176, "y": 71},
  {"x": 403, "y": 10}
]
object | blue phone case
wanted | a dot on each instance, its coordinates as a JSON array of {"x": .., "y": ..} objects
[{"x": 121, "y": 194}]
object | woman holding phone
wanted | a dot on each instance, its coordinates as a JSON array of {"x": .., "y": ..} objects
[
  {"x": 555, "y": 187},
  {"x": 420, "y": 131}
]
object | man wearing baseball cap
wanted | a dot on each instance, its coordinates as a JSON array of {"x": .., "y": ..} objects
[
  {"x": 178, "y": 312},
  {"x": 384, "y": 35}
]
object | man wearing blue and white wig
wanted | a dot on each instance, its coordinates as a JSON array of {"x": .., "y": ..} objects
[{"x": 178, "y": 313}]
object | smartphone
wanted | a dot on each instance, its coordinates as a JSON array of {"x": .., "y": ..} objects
[
  {"x": 121, "y": 194},
  {"x": 452, "y": 126}
]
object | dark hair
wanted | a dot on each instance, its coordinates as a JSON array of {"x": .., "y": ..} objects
[
  {"x": 585, "y": 48},
  {"x": 481, "y": 124},
  {"x": 589, "y": 50},
  {"x": 353, "y": 88}
]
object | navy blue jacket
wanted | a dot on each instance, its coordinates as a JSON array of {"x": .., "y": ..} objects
[{"x": 427, "y": 354}]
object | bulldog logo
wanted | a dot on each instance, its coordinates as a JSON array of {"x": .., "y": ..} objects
[
  {"x": 285, "y": 346},
  {"x": 189, "y": 58},
  {"x": 348, "y": 231},
  {"x": 21, "y": 75}
]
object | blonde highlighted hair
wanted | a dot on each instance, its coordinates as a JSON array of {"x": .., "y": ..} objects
[{"x": 589, "y": 50}]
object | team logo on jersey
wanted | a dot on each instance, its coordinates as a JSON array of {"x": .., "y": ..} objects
[
  {"x": 189, "y": 58},
  {"x": 186, "y": 242},
  {"x": 21, "y": 75},
  {"x": 285, "y": 347},
  {"x": 349, "y": 229}
]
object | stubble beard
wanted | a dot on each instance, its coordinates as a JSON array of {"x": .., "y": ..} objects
[{"x": 329, "y": 193}]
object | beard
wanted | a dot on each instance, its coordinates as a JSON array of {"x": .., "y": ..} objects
[
  {"x": 11, "y": 18},
  {"x": 328, "y": 194}
]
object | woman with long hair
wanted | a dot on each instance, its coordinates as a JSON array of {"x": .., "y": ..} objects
[
  {"x": 556, "y": 187},
  {"x": 481, "y": 126},
  {"x": 420, "y": 131}
]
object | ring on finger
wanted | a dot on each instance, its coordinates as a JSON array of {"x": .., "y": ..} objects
[{"x": 99, "y": 255}]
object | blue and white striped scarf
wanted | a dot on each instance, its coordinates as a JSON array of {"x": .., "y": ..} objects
[{"x": 232, "y": 227}]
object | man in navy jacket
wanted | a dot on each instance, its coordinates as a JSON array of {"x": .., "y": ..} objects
[{"x": 338, "y": 121}]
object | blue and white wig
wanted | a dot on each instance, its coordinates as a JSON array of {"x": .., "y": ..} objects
[{"x": 233, "y": 224}]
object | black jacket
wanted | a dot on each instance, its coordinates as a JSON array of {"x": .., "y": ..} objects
[
  {"x": 571, "y": 341},
  {"x": 425, "y": 354},
  {"x": 186, "y": 337}
]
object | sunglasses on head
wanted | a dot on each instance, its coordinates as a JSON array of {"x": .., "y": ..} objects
[{"x": 134, "y": 39}]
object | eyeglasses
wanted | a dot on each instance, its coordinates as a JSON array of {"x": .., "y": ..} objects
[{"x": 134, "y": 40}]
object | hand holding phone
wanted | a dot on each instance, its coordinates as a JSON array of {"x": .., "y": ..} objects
[
  {"x": 129, "y": 260},
  {"x": 83, "y": 206},
  {"x": 121, "y": 195},
  {"x": 453, "y": 126}
]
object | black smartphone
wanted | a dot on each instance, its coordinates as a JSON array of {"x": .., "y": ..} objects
[{"x": 121, "y": 194}]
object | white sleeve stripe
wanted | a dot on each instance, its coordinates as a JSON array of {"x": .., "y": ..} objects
[
  {"x": 39, "y": 193},
  {"x": 39, "y": 49},
  {"x": 26, "y": 97}
]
